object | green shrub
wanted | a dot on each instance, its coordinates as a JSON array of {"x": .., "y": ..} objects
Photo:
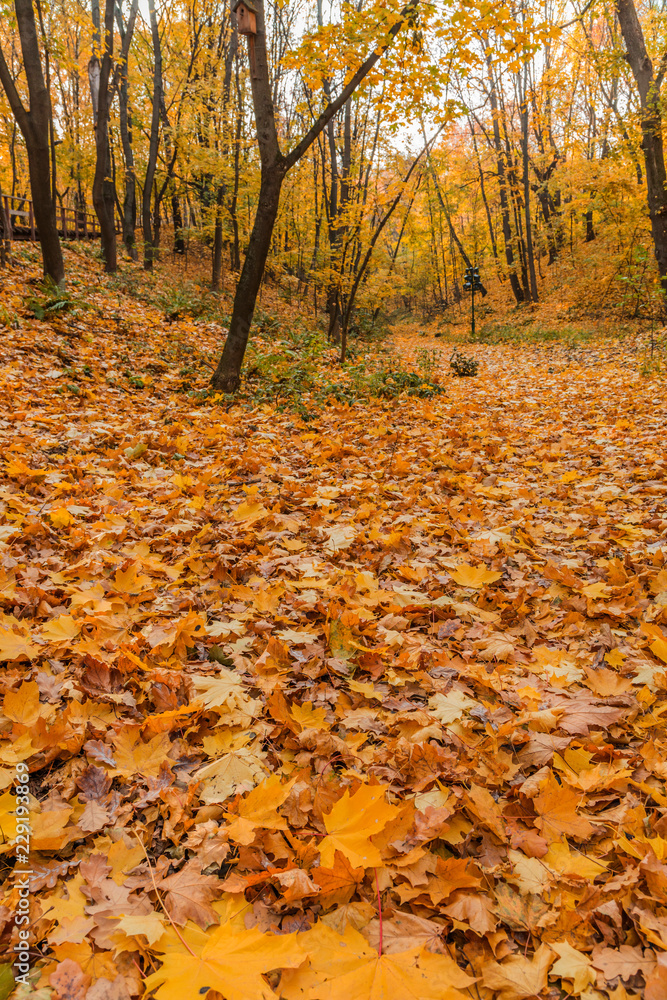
[
  {"x": 49, "y": 300},
  {"x": 462, "y": 365}
]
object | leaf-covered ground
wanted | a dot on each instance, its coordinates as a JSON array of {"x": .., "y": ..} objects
[{"x": 371, "y": 706}]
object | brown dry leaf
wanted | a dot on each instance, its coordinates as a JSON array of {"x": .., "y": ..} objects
[
  {"x": 473, "y": 911},
  {"x": 558, "y": 807},
  {"x": 69, "y": 982},
  {"x": 656, "y": 981},
  {"x": 519, "y": 977},
  {"x": 625, "y": 961},
  {"x": 188, "y": 895},
  {"x": 405, "y": 931},
  {"x": 107, "y": 989}
]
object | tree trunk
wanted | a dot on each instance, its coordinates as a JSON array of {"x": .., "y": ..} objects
[
  {"x": 235, "y": 248},
  {"x": 523, "y": 91},
  {"x": 4, "y": 236},
  {"x": 590, "y": 229},
  {"x": 149, "y": 244},
  {"x": 231, "y": 55},
  {"x": 485, "y": 200},
  {"x": 648, "y": 85},
  {"x": 216, "y": 270},
  {"x": 130, "y": 197},
  {"x": 34, "y": 125},
  {"x": 227, "y": 374},
  {"x": 177, "y": 218},
  {"x": 502, "y": 186},
  {"x": 104, "y": 198}
]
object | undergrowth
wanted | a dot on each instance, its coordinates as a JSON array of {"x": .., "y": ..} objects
[
  {"x": 512, "y": 331},
  {"x": 297, "y": 369}
]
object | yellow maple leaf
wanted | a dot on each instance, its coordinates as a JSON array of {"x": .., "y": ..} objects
[
  {"x": 473, "y": 576},
  {"x": 447, "y": 708},
  {"x": 659, "y": 647},
  {"x": 249, "y": 512},
  {"x": 221, "y": 777},
  {"x": 176, "y": 636},
  {"x": 134, "y": 757},
  {"x": 615, "y": 658},
  {"x": 19, "y": 749},
  {"x": 574, "y": 965},
  {"x": 309, "y": 717},
  {"x": 222, "y": 688},
  {"x": 260, "y": 809},
  {"x": 350, "y": 824},
  {"x": 228, "y": 960},
  {"x": 346, "y": 967},
  {"x": 7, "y": 821},
  {"x": 61, "y": 629},
  {"x": 531, "y": 875},
  {"x": 561, "y": 859},
  {"x": 599, "y": 589},
  {"x": 60, "y": 517},
  {"x": 22, "y": 706},
  {"x": 131, "y": 581},
  {"x": 122, "y": 859},
  {"x": 14, "y": 646},
  {"x": 148, "y": 925}
]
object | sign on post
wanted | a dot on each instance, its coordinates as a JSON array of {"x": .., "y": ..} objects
[{"x": 472, "y": 283}]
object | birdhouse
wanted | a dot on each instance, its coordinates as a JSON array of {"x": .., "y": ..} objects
[{"x": 246, "y": 16}]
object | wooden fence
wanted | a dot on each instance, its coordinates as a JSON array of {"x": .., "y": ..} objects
[{"x": 19, "y": 219}]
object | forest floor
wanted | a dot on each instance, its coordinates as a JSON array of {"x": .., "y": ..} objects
[{"x": 351, "y": 694}]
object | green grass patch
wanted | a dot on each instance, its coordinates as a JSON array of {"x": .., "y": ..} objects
[
  {"x": 511, "y": 332},
  {"x": 297, "y": 370}
]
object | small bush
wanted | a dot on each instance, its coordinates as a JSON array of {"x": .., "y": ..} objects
[
  {"x": 49, "y": 301},
  {"x": 463, "y": 366},
  {"x": 186, "y": 299}
]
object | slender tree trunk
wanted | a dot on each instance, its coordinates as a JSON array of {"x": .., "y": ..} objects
[
  {"x": 177, "y": 219},
  {"x": 130, "y": 196},
  {"x": 104, "y": 198},
  {"x": 235, "y": 249},
  {"x": 4, "y": 236},
  {"x": 526, "y": 184},
  {"x": 149, "y": 240},
  {"x": 648, "y": 85},
  {"x": 485, "y": 200},
  {"x": 231, "y": 54},
  {"x": 589, "y": 227},
  {"x": 216, "y": 271},
  {"x": 35, "y": 128},
  {"x": 503, "y": 188},
  {"x": 227, "y": 374}
]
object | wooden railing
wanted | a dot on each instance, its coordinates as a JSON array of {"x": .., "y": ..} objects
[{"x": 19, "y": 219}]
